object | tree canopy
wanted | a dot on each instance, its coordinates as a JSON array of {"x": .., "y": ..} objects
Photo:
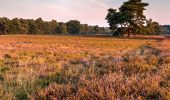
[
  {"x": 73, "y": 27},
  {"x": 166, "y": 29},
  {"x": 39, "y": 26},
  {"x": 128, "y": 18}
]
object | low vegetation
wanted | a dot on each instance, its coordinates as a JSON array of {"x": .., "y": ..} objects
[
  {"x": 50, "y": 60},
  {"x": 75, "y": 67}
]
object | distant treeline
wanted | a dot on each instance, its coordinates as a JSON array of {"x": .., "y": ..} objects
[
  {"x": 39, "y": 26},
  {"x": 166, "y": 29}
]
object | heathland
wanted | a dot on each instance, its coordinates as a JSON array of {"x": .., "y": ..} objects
[{"x": 84, "y": 67}]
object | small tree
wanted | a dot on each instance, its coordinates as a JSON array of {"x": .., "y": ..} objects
[
  {"x": 153, "y": 28},
  {"x": 85, "y": 29}
]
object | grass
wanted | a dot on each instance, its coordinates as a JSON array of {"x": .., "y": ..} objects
[{"x": 75, "y": 67}]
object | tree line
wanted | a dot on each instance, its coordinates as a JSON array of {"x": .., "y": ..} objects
[
  {"x": 40, "y": 27},
  {"x": 166, "y": 29},
  {"x": 129, "y": 19}
]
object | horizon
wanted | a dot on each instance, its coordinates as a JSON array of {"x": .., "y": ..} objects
[{"x": 65, "y": 10}]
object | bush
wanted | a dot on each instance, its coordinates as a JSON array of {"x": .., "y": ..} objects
[
  {"x": 21, "y": 94},
  {"x": 145, "y": 59}
]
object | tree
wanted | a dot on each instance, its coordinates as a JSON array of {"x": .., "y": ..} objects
[
  {"x": 15, "y": 26},
  {"x": 128, "y": 18},
  {"x": 97, "y": 29},
  {"x": 2, "y": 28},
  {"x": 40, "y": 25},
  {"x": 166, "y": 29},
  {"x": 61, "y": 29},
  {"x": 153, "y": 28},
  {"x": 33, "y": 28},
  {"x": 85, "y": 29},
  {"x": 73, "y": 27},
  {"x": 52, "y": 25},
  {"x": 24, "y": 26},
  {"x": 3, "y": 25}
]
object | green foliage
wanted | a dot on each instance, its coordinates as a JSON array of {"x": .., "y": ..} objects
[
  {"x": 153, "y": 28},
  {"x": 129, "y": 16},
  {"x": 2, "y": 28},
  {"x": 39, "y": 26},
  {"x": 24, "y": 26},
  {"x": 44, "y": 81},
  {"x": 4, "y": 25},
  {"x": 73, "y": 27},
  {"x": 21, "y": 94},
  {"x": 33, "y": 29},
  {"x": 51, "y": 27},
  {"x": 85, "y": 29},
  {"x": 61, "y": 29},
  {"x": 15, "y": 26},
  {"x": 166, "y": 29}
]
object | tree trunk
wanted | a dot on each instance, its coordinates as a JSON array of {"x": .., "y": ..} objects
[{"x": 129, "y": 32}]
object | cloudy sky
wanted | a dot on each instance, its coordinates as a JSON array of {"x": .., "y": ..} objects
[{"x": 92, "y": 12}]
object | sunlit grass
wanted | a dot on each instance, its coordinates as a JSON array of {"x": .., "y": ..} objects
[{"x": 77, "y": 67}]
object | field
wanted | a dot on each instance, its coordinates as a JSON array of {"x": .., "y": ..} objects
[{"x": 77, "y": 67}]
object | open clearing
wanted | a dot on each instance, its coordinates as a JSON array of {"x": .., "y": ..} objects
[{"x": 77, "y": 67}]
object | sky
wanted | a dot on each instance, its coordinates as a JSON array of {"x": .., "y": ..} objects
[{"x": 92, "y": 12}]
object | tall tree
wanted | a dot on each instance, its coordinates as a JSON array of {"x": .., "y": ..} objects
[
  {"x": 61, "y": 29},
  {"x": 52, "y": 25},
  {"x": 24, "y": 26},
  {"x": 40, "y": 25},
  {"x": 33, "y": 28},
  {"x": 15, "y": 26},
  {"x": 4, "y": 25},
  {"x": 128, "y": 18},
  {"x": 2, "y": 28},
  {"x": 73, "y": 27}
]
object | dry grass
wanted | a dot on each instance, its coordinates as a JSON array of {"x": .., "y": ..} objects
[{"x": 75, "y": 67}]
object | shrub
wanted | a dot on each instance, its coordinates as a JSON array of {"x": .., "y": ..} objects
[
  {"x": 21, "y": 94},
  {"x": 145, "y": 59}
]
